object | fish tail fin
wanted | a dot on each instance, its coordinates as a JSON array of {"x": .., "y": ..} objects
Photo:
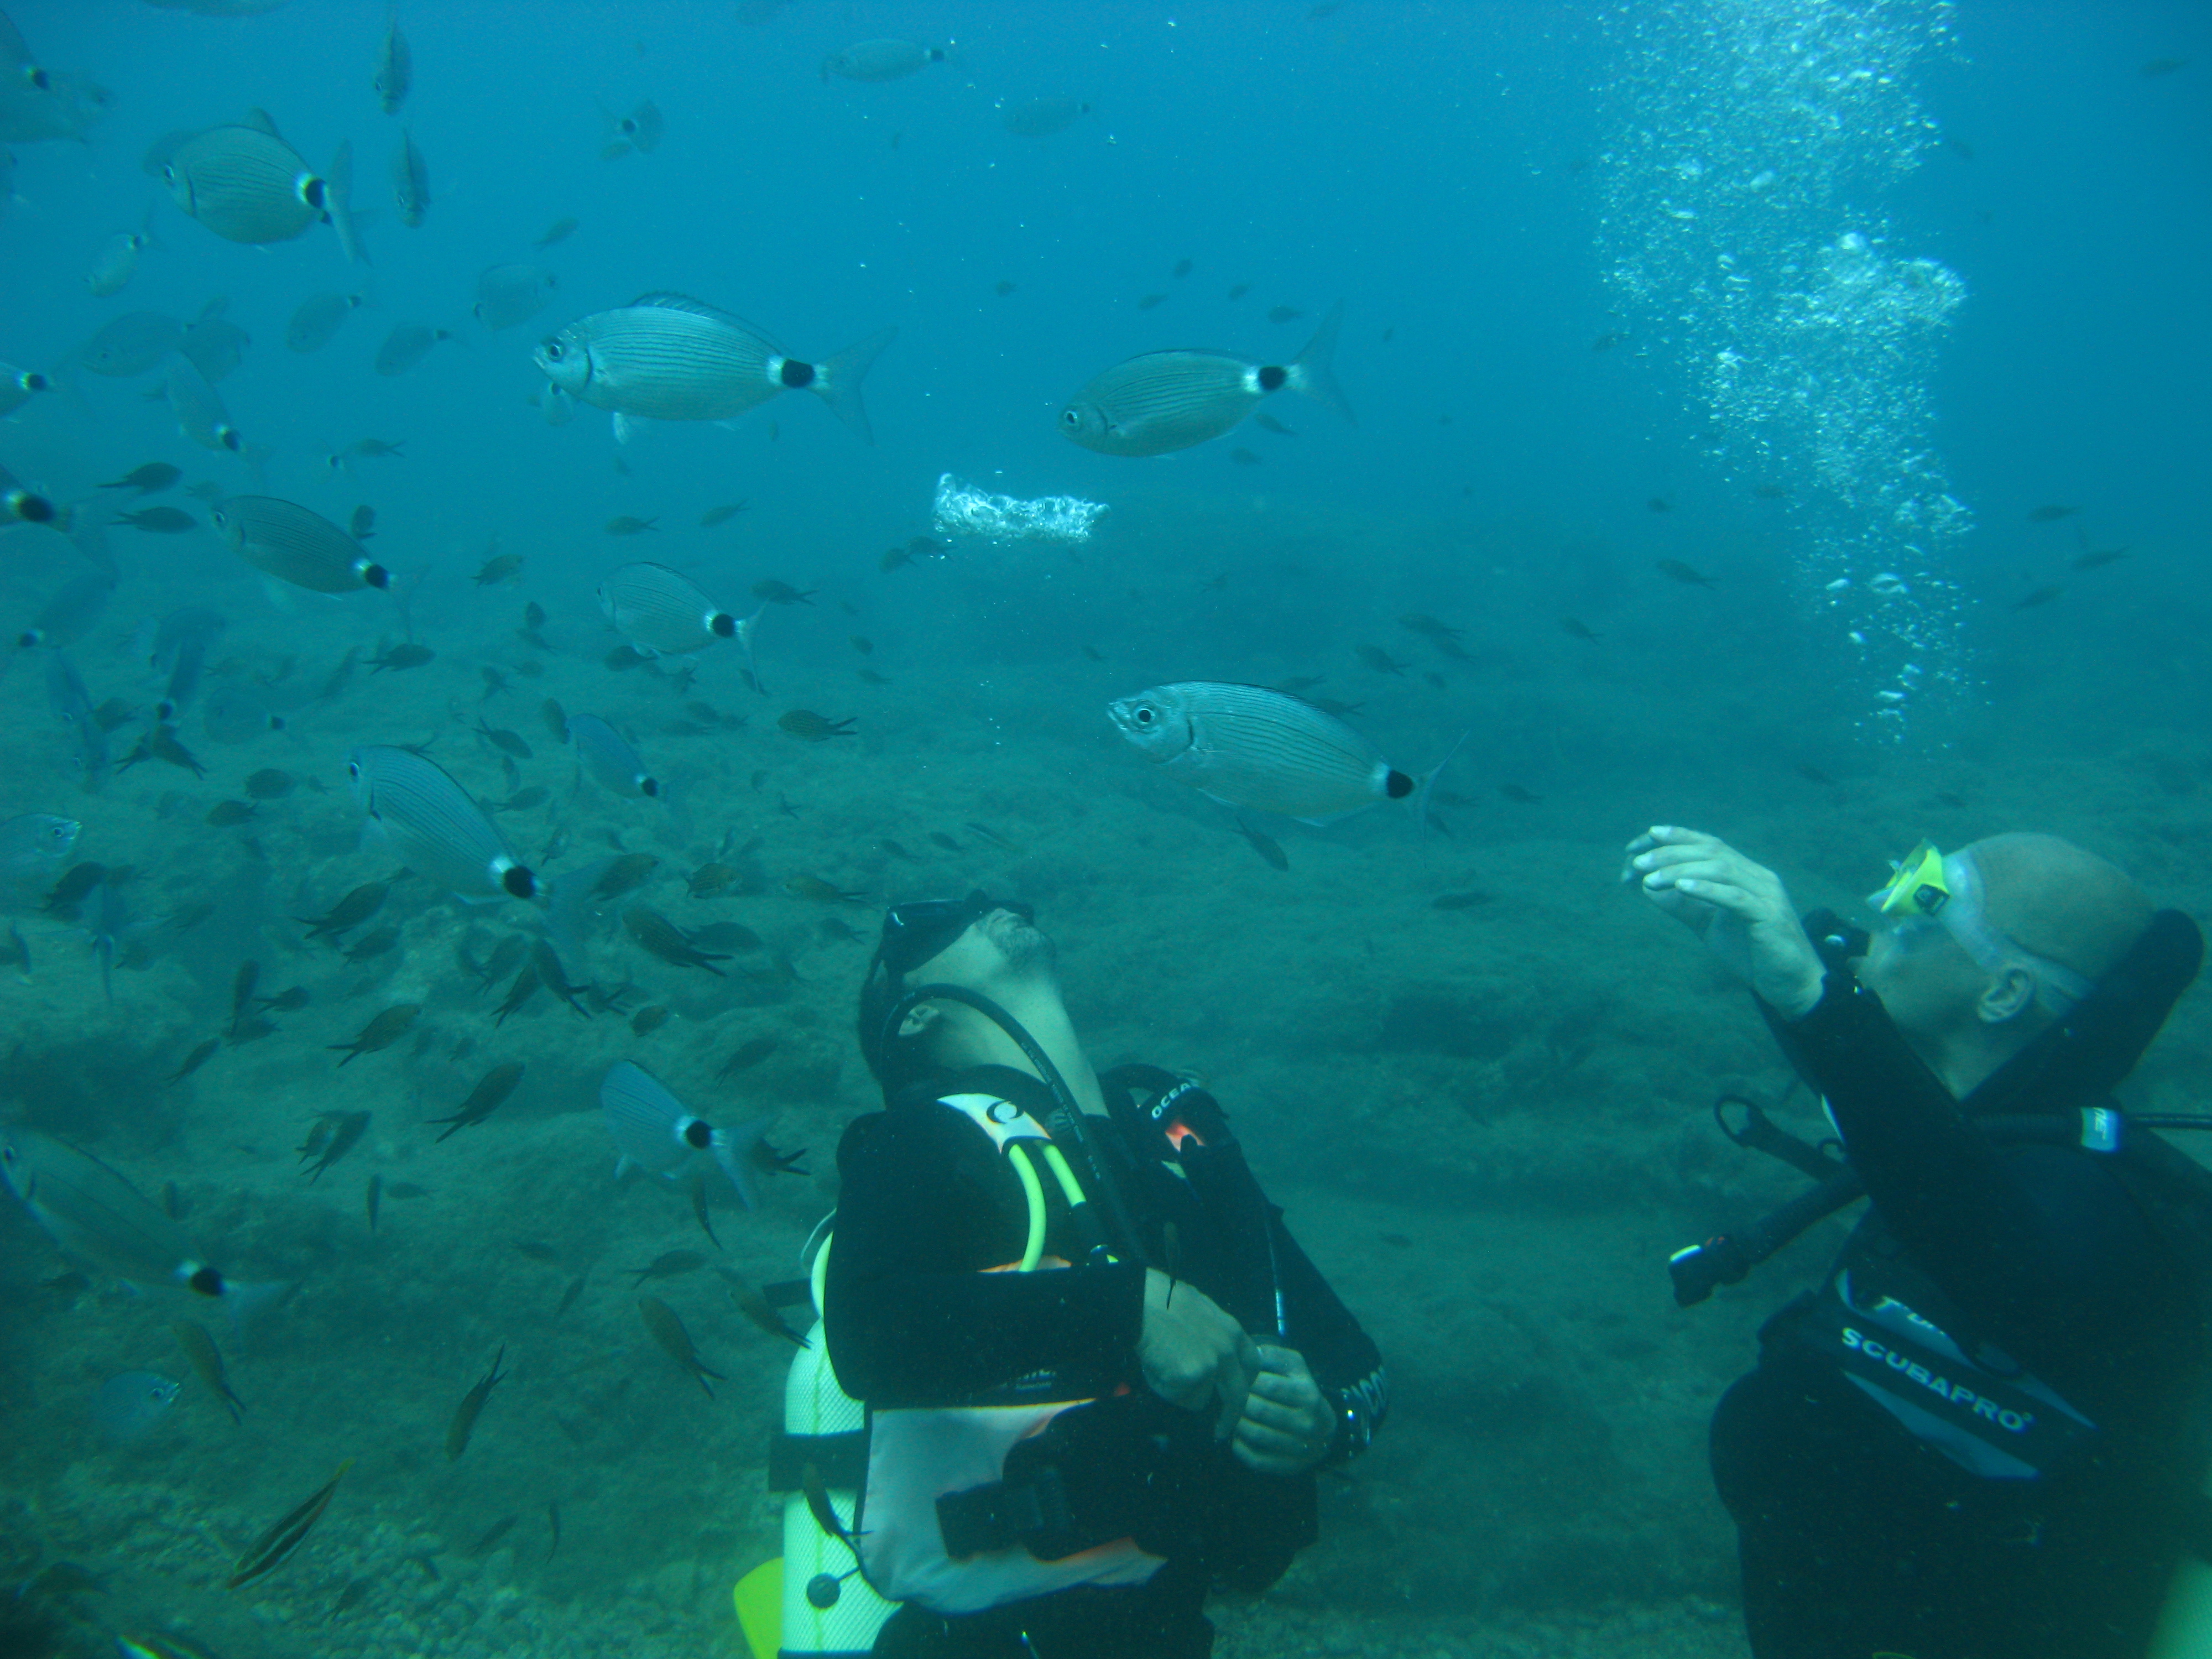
[
  {"x": 734, "y": 1150},
  {"x": 837, "y": 382},
  {"x": 1427, "y": 781},
  {"x": 245, "y": 1301},
  {"x": 339, "y": 203},
  {"x": 1314, "y": 371}
]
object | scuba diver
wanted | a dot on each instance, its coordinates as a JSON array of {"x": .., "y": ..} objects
[
  {"x": 1099, "y": 1374},
  {"x": 1979, "y": 1438}
]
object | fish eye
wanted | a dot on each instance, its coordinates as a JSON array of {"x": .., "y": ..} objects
[
  {"x": 1146, "y": 716},
  {"x": 552, "y": 351},
  {"x": 1071, "y": 417}
]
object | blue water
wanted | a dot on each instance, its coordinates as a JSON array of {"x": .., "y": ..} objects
[{"x": 1534, "y": 434}]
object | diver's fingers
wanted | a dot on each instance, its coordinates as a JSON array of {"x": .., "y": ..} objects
[
  {"x": 1723, "y": 896},
  {"x": 1668, "y": 835}
]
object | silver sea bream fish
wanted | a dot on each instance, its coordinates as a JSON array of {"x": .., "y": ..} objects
[
  {"x": 1165, "y": 401},
  {"x": 661, "y": 612},
  {"x": 295, "y": 544},
  {"x": 246, "y": 185},
  {"x": 507, "y": 294},
  {"x": 104, "y": 1222},
  {"x": 655, "y": 1131},
  {"x": 434, "y": 826},
  {"x": 318, "y": 319},
  {"x": 198, "y": 408},
  {"x": 668, "y": 357},
  {"x": 607, "y": 756},
  {"x": 1245, "y": 745}
]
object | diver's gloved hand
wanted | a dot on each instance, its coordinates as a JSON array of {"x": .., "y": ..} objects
[
  {"x": 1191, "y": 1353},
  {"x": 1288, "y": 1423},
  {"x": 1740, "y": 908}
]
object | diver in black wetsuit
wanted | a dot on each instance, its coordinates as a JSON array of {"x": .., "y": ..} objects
[
  {"x": 1100, "y": 1373},
  {"x": 1977, "y": 1440}
]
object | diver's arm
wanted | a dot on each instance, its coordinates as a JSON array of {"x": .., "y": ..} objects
[
  {"x": 2040, "y": 1243},
  {"x": 1342, "y": 1357},
  {"x": 908, "y": 1316}
]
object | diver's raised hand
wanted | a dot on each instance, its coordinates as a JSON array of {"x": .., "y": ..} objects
[
  {"x": 1192, "y": 1354},
  {"x": 1740, "y": 908}
]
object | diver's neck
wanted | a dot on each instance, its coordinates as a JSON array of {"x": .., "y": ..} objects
[{"x": 1044, "y": 1017}]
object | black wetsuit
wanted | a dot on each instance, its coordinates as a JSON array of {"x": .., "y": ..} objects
[
  {"x": 1859, "y": 1535},
  {"x": 927, "y": 1204}
]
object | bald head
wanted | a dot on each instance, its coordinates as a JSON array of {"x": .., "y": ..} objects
[{"x": 2059, "y": 901}]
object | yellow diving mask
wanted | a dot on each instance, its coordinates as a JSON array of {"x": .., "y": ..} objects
[{"x": 1917, "y": 886}]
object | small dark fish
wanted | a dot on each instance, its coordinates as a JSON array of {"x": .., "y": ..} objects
[
  {"x": 348, "y": 913},
  {"x": 822, "y": 892},
  {"x": 1676, "y": 570},
  {"x": 1380, "y": 661},
  {"x": 148, "y": 480},
  {"x": 806, "y": 723},
  {"x": 1238, "y": 292},
  {"x": 665, "y": 939},
  {"x": 1580, "y": 629},
  {"x": 284, "y": 1002},
  {"x": 1182, "y": 269},
  {"x": 568, "y": 1296},
  {"x": 2159, "y": 67},
  {"x": 522, "y": 800},
  {"x": 1282, "y": 313},
  {"x": 370, "y": 945},
  {"x": 709, "y": 880},
  {"x": 646, "y": 1021},
  {"x": 507, "y": 741},
  {"x": 761, "y": 1312},
  {"x": 1244, "y": 456},
  {"x": 1002, "y": 287},
  {"x": 2098, "y": 557},
  {"x": 1514, "y": 792},
  {"x": 698, "y": 1185},
  {"x": 501, "y": 568},
  {"x": 668, "y": 1331},
  {"x": 824, "y": 1512},
  {"x": 1606, "y": 342},
  {"x": 748, "y": 1054},
  {"x": 1814, "y": 774},
  {"x": 939, "y": 838},
  {"x": 75, "y": 887},
  {"x": 772, "y": 591},
  {"x": 2040, "y": 596},
  {"x": 1267, "y": 423},
  {"x": 346, "y": 1130},
  {"x": 537, "y": 1251},
  {"x": 206, "y": 1361},
  {"x": 362, "y": 525},
  {"x": 381, "y": 1032},
  {"x": 726, "y": 936},
  {"x": 1660, "y": 504},
  {"x": 1458, "y": 900},
  {"x": 194, "y": 1061},
  {"x": 2051, "y": 514},
  {"x": 473, "y": 1402},
  {"x": 409, "y": 655},
  {"x": 1151, "y": 301},
  {"x": 355, "y": 1592},
  {"x": 269, "y": 784},
  {"x": 559, "y": 230},
  {"x": 722, "y": 514},
  {"x": 626, "y": 525},
  {"x": 526, "y": 985},
  {"x": 160, "y": 520},
  {"x": 374, "y": 1200},
  {"x": 671, "y": 1264},
  {"x": 555, "y": 977},
  {"x": 491, "y": 1090},
  {"x": 1264, "y": 846},
  {"x": 492, "y": 1534},
  {"x": 274, "y": 1546},
  {"x": 994, "y": 836},
  {"x": 1771, "y": 492}
]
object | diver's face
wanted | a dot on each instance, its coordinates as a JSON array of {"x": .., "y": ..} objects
[
  {"x": 997, "y": 946},
  {"x": 1926, "y": 981}
]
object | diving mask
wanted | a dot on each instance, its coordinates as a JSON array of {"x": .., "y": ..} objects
[
  {"x": 915, "y": 933},
  {"x": 1926, "y": 889}
]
